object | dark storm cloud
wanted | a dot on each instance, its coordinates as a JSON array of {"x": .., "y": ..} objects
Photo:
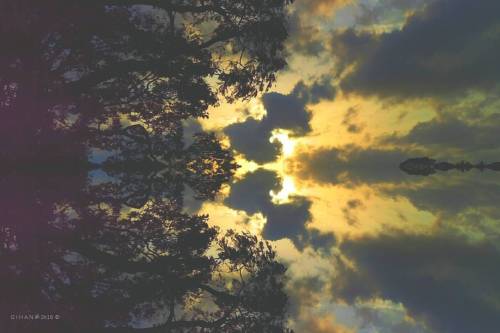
[
  {"x": 287, "y": 220},
  {"x": 352, "y": 165},
  {"x": 321, "y": 242},
  {"x": 451, "y": 46},
  {"x": 445, "y": 281},
  {"x": 352, "y": 47},
  {"x": 321, "y": 89},
  {"x": 251, "y": 194},
  {"x": 286, "y": 111},
  {"x": 449, "y": 200},
  {"x": 251, "y": 137},
  {"x": 452, "y": 133}
]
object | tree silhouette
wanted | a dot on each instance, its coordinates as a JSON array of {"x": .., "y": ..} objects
[
  {"x": 146, "y": 61},
  {"x": 425, "y": 166},
  {"x": 157, "y": 266},
  {"x": 120, "y": 76},
  {"x": 148, "y": 165}
]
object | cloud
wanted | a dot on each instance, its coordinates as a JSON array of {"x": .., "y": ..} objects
[
  {"x": 286, "y": 111},
  {"x": 449, "y": 132},
  {"x": 287, "y": 220},
  {"x": 319, "y": 7},
  {"x": 445, "y": 194},
  {"x": 387, "y": 317},
  {"x": 448, "y": 195},
  {"x": 449, "y": 47},
  {"x": 349, "y": 211},
  {"x": 449, "y": 283},
  {"x": 304, "y": 38},
  {"x": 252, "y": 195},
  {"x": 350, "y": 121},
  {"x": 351, "y": 165},
  {"x": 321, "y": 242},
  {"x": 450, "y": 200},
  {"x": 323, "y": 324},
  {"x": 387, "y": 11},
  {"x": 251, "y": 137},
  {"x": 304, "y": 294},
  {"x": 321, "y": 89},
  {"x": 323, "y": 7},
  {"x": 353, "y": 47}
]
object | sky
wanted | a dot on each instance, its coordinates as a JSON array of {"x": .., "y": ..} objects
[{"x": 369, "y": 84}]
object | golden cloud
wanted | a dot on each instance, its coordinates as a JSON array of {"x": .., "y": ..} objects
[
  {"x": 325, "y": 324},
  {"x": 323, "y": 7}
]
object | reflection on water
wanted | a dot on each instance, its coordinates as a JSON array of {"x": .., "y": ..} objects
[{"x": 120, "y": 212}]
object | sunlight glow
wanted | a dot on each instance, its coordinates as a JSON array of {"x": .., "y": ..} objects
[
  {"x": 246, "y": 166},
  {"x": 283, "y": 137},
  {"x": 286, "y": 193},
  {"x": 256, "y": 109},
  {"x": 256, "y": 223}
]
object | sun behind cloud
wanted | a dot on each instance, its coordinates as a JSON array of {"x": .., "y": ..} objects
[{"x": 283, "y": 137}]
